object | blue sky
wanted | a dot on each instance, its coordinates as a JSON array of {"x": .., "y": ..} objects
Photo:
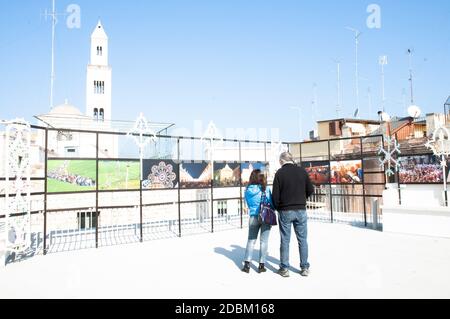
[{"x": 241, "y": 63}]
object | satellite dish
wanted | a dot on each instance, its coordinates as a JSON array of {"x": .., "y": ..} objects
[{"x": 414, "y": 111}]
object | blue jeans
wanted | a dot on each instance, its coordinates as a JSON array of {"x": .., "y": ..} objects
[
  {"x": 253, "y": 231},
  {"x": 299, "y": 219}
]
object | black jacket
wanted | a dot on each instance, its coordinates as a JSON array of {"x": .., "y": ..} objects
[{"x": 291, "y": 187}]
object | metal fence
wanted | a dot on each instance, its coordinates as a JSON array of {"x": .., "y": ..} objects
[
  {"x": 347, "y": 201},
  {"x": 67, "y": 220}
]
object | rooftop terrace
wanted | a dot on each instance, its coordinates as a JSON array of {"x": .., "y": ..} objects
[{"x": 346, "y": 261}]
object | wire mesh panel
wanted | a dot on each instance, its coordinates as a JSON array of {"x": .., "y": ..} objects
[
  {"x": 160, "y": 221},
  {"x": 315, "y": 151},
  {"x": 114, "y": 146},
  {"x": 72, "y": 144},
  {"x": 253, "y": 152},
  {"x": 195, "y": 211},
  {"x": 69, "y": 230},
  {"x": 226, "y": 151},
  {"x": 95, "y": 196},
  {"x": 347, "y": 203},
  {"x": 160, "y": 214},
  {"x": 162, "y": 148},
  {"x": 374, "y": 212},
  {"x": 119, "y": 226},
  {"x": 371, "y": 146},
  {"x": 319, "y": 204},
  {"x": 345, "y": 149},
  {"x": 194, "y": 150},
  {"x": 295, "y": 150},
  {"x": 227, "y": 208}
]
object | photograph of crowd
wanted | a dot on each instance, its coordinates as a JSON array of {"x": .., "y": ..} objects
[
  {"x": 346, "y": 172},
  {"x": 71, "y": 176},
  {"x": 319, "y": 172},
  {"x": 420, "y": 169}
]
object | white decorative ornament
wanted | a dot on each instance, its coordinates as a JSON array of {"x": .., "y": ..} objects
[
  {"x": 18, "y": 187},
  {"x": 387, "y": 154},
  {"x": 142, "y": 135},
  {"x": 212, "y": 133},
  {"x": 210, "y": 136},
  {"x": 440, "y": 143}
]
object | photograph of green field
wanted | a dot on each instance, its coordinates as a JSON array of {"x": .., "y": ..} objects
[
  {"x": 70, "y": 176},
  {"x": 118, "y": 175}
]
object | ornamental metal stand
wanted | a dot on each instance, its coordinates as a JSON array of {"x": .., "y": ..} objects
[
  {"x": 17, "y": 226},
  {"x": 388, "y": 156},
  {"x": 209, "y": 137},
  {"x": 142, "y": 135},
  {"x": 440, "y": 145},
  {"x": 276, "y": 149}
]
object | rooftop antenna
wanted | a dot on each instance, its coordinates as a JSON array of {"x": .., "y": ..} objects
[
  {"x": 410, "y": 52},
  {"x": 383, "y": 60},
  {"x": 338, "y": 87},
  {"x": 369, "y": 96},
  {"x": 404, "y": 97},
  {"x": 314, "y": 103},
  {"x": 413, "y": 110},
  {"x": 54, "y": 16},
  {"x": 300, "y": 126},
  {"x": 357, "y": 35}
]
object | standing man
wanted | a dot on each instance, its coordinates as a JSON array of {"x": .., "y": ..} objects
[{"x": 291, "y": 187}]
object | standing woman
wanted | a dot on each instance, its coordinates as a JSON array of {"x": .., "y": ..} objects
[{"x": 253, "y": 196}]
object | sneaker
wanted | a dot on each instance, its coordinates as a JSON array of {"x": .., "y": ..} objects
[
  {"x": 283, "y": 273},
  {"x": 262, "y": 268},
  {"x": 304, "y": 272},
  {"x": 246, "y": 268}
]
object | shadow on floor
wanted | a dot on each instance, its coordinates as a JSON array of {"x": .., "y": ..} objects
[
  {"x": 32, "y": 251},
  {"x": 237, "y": 253}
]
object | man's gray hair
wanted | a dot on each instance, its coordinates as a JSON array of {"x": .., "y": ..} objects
[{"x": 286, "y": 158}]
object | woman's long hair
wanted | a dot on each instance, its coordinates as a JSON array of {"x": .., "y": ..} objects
[
  {"x": 258, "y": 178},
  {"x": 254, "y": 177},
  {"x": 262, "y": 181}
]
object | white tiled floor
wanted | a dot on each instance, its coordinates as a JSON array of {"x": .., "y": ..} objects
[{"x": 346, "y": 261}]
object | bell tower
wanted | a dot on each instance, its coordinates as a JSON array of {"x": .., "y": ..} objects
[{"x": 99, "y": 76}]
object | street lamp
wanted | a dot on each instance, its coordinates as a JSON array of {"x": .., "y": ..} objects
[{"x": 300, "y": 127}]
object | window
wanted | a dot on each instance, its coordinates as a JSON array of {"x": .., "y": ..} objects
[
  {"x": 96, "y": 114},
  {"x": 101, "y": 117},
  {"x": 99, "y": 87},
  {"x": 87, "y": 220},
  {"x": 222, "y": 208},
  {"x": 332, "y": 128},
  {"x": 100, "y": 51},
  {"x": 335, "y": 129}
]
